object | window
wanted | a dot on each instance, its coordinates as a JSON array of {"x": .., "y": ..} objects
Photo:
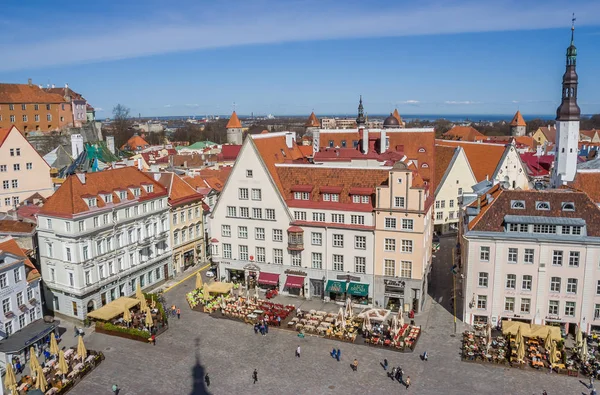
[
  {"x": 406, "y": 269},
  {"x": 483, "y": 279},
  {"x": 3, "y": 281},
  {"x": 389, "y": 245},
  {"x": 544, "y": 229},
  {"x": 243, "y": 232},
  {"x": 19, "y": 299},
  {"x": 257, "y": 194},
  {"x": 407, "y": 224},
  {"x": 338, "y": 263},
  {"x": 248, "y": 173},
  {"x": 12, "y": 119},
  {"x": 68, "y": 251},
  {"x": 49, "y": 117},
  {"x": 574, "y": 259},
  {"x": 390, "y": 223},
  {"x": 389, "y": 267},
  {"x": 50, "y": 249},
  {"x": 451, "y": 203},
  {"x": 300, "y": 215},
  {"x": 528, "y": 258},
  {"x": 301, "y": 195},
  {"x": 360, "y": 242},
  {"x": 226, "y": 230},
  {"x": 182, "y": 217},
  {"x": 399, "y": 202},
  {"x": 244, "y": 212},
  {"x": 316, "y": 238},
  {"x": 296, "y": 258},
  {"x": 517, "y": 204},
  {"x": 176, "y": 237},
  {"x": 511, "y": 281},
  {"x": 15, "y": 183},
  {"x": 439, "y": 215},
  {"x": 6, "y": 185},
  {"x": 525, "y": 305},
  {"x": 553, "y": 306},
  {"x": 319, "y": 217},
  {"x": 437, "y": 204},
  {"x": 360, "y": 264},
  {"x": 259, "y": 233},
  {"x": 16, "y": 167},
  {"x": 407, "y": 246},
  {"x": 513, "y": 255},
  {"x": 277, "y": 235},
  {"x": 596, "y": 311},
  {"x": 598, "y": 288},
  {"x": 6, "y": 305},
  {"x": 542, "y": 206},
  {"x": 30, "y": 294},
  {"x": 21, "y": 320},
  {"x": 557, "y": 258},
  {"x": 357, "y": 219},
  {"x": 261, "y": 254},
  {"x": 317, "y": 260},
  {"x": 570, "y": 309},
  {"x": 338, "y": 241},
  {"x": 243, "y": 194},
  {"x": 277, "y": 256},
  {"x": 71, "y": 279},
  {"x": 243, "y": 250},
  {"x": 526, "y": 284},
  {"x": 231, "y": 212},
  {"x": 270, "y": 214},
  {"x": 2, "y": 168},
  {"x": 337, "y": 218},
  {"x": 513, "y": 227},
  {"x": 572, "y": 286},
  {"x": 509, "y": 304},
  {"x": 257, "y": 213},
  {"x": 555, "y": 284},
  {"x": 484, "y": 254},
  {"x": 482, "y": 302}
]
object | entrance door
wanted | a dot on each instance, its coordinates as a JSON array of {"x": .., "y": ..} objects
[
  {"x": 317, "y": 288},
  {"x": 91, "y": 306},
  {"x": 166, "y": 270}
]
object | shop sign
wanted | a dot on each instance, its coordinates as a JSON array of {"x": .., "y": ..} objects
[
  {"x": 225, "y": 262},
  {"x": 295, "y": 272},
  {"x": 393, "y": 295},
  {"x": 394, "y": 283},
  {"x": 553, "y": 317}
]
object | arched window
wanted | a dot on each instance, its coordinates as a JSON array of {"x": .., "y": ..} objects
[
  {"x": 568, "y": 206},
  {"x": 421, "y": 150},
  {"x": 425, "y": 165},
  {"x": 517, "y": 204},
  {"x": 542, "y": 206}
]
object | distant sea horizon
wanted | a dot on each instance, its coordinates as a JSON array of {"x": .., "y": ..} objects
[{"x": 405, "y": 117}]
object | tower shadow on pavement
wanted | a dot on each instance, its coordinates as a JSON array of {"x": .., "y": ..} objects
[{"x": 198, "y": 373}]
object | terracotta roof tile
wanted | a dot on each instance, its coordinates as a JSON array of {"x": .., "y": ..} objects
[
  {"x": 492, "y": 220},
  {"x": 12, "y": 247},
  {"x": 25, "y": 93},
  {"x": 588, "y": 182},
  {"x": 483, "y": 157},
  {"x": 229, "y": 152},
  {"x": 179, "y": 190},
  {"x": 443, "y": 157},
  {"x": 3, "y": 135},
  {"x": 234, "y": 122},
  {"x": 135, "y": 143},
  {"x": 463, "y": 133},
  {"x": 307, "y": 150},
  {"x": 518, "y": 120},
  {"x": 67, "y": 200},
  {"x": 312, "y": 121},
  {"x": 396, "y": 115},
  {"x": 549, "y": 133},
  {"x": 12, "y": 226},
  {"x": 62, "y": 91}
]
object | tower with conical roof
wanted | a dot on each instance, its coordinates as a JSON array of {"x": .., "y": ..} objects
[
  {"x": 234, "y": 130},
  {"x": 567, "y": 121},
  {"x": 518, "y": 127},
  {"x": 312, "y": 122}
]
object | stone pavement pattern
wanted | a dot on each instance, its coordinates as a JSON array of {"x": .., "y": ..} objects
[{"x": 229, "y": 351}]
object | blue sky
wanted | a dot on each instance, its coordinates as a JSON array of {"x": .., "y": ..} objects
[{"x": 293, "y": 56}]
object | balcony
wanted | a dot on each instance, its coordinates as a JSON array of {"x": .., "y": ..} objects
[{"x": 295, "y": 238}]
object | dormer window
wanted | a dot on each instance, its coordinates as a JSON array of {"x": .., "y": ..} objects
[
  {"x": 360, "y": 199},
  {"x": 421, "y": 150},
  {"x": 107, "y": 198},
  {"x": 517, "y": 204},
  {"x": 282, "y": 153},
  {"x": 542, "y": 206},
  {"x": 425, "y": 165},
  {"x": 135, "y": 192},
  {"x": 122, "y": 195},
  {"x": 331, "y": 197},
  {"x": 149, "y": 188},
  {"x": 92, "y": 202},
  {"x": 568, "y": 206},
  {"x": 301, "y": 196}
]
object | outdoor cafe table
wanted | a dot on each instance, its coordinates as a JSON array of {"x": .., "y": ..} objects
[
  {"x": 252, "y": 316},
  {"x": 258, "y": 312}
]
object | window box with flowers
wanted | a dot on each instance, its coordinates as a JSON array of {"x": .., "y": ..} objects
[
  {"x": 9, "y": 314},
  {"x": 33, "y": 301},
  {"x": 23, "y": 308}
]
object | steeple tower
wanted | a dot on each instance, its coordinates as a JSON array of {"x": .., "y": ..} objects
[
  {"x": 567, "y": 121},
  {"x": 360, "y": 119}
]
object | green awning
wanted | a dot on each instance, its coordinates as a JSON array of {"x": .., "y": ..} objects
[
  {"x": 358, "y": 289},
  {"x": 335, "y": 286}
]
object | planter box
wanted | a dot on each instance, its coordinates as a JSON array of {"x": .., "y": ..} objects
[{"x": 101, "y": 329}]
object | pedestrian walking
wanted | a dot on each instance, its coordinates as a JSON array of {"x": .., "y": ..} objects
[
  {"x": 207, "y": 380},
  {"x": 355, "y": 365},
  {"x": 255, "y": 376},
  {"x": 153, "y": 340},
  {"x": 544, "y": 393},
  {"x": 266, "y": 327},
  {"x": 333, "y": 353},
  {"x": 338, "y": 355},
  {"x": 178, "y": 313},
  {"x": 115, "y": 389},
  {"x": 400, "y": 375},
  {"x": 407, "y": 383},
  {"x": 425, "y": 356},
  {"x": 298, "y": 352},
  {"x": 385, "y": 364}
]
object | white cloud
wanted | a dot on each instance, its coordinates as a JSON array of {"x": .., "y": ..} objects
[
  {"x": 168, "y": 105},
  {"x": 410, "y": 102},
  {"x": 515, "y": 101},
  {"x": 465, "y": 102},
  {"x": 124, "y": 36},
  {"x": 98, "y": 109}
]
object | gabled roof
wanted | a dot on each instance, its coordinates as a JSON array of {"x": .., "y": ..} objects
[
  {"x": 444, "y": 156},
  {"x": 588, "y": 182},
  {"x": 307, "y": 150},
  {"x": 492, "y": 219},
  {"x": 12, "y": 227},
  {"x": 518, "y": 120},
  {"x": 135, "y": 143},
  {"x": 234, "y": 122},
  {"x": 63, "y": 91},
  {"x": 549, "y": 133},
  {"x": 180, "y": 192},
  {"x": 483, "y": 158},
  {"x": 12, "y": 247},
  {"x": 537, "y": 166},
  {"x": 313, "y": 121},
  {"x": 229, "y": 152},
  {"x": 463, "y": 133},
  {"x": 25, "y": 93},
  {"x": 69, "y": 199}
]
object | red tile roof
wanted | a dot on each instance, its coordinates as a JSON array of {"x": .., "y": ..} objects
[
  {"x": 483, "y": 157},
  {"x": 3, "y": 135},
  {"x": 492, "y": 218},
  {"x": 537, "y": 166},
  {"x": 12, "y": 247},
  {"x": 549, "y": 133},
  {"x": 68, "y": 200},
  {"x": 520, "y": 141},
  {"x": 135, "y": 143},
  {"x": 63, "y": 91},
  {"x": 443, "y": 157},
  {"x": 588, "y": 182},
  {"x": 25, "y": 93},
  {"x": 312, "y": 121},
  {"x": 234, "y": 122},
  {"x": 518, "y": 120},
  {"x": 463, "y": 133},
  {"x": 12, "y": 227},
  {"x": 307, "y": 150},
  {"x": 180, "y": 192},
  {"x": 229, "y": 152}
]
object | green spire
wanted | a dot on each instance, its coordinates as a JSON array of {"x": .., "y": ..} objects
[{"x": 572, "y": 50}]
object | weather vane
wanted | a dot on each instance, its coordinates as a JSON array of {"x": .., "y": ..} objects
[{"x": 573, "y": 22}]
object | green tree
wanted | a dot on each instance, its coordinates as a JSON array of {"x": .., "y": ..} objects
[{"x": 121, "y": 125}]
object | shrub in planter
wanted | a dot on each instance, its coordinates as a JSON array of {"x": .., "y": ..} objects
[{"x": 121, "y": 329}]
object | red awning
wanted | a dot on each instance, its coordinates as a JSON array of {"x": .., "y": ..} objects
[
  {"x": 268, "y": 278},
  {"x": 294, "y": 282}
]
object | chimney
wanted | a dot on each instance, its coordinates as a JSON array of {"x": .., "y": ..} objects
[
  {"x": 170, "y": 160},
  {"x": 76, "y": 145},
  {"x": 382, "y": 142},
  {"x": 110, "y": 143},
  {"x": 290, "y": 137},
  {"x": 81, "y": 177},
  {"x": 29, "y": 82},
  {"x": 365, "y": 140},
  {"x": 66, "y": 86},
  {"x": 139, "y": 164},
  {"x": 54, "y": 86},
  {"x": 316, "y": 136}
]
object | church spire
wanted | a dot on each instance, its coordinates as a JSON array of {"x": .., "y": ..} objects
[
  {"x": 360, "y": 119},
  {"x": 568, "y": 109}
]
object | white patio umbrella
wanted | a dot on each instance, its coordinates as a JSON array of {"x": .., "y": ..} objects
[
  {"x": 401, "y": 315},
  {"x": 340, "y": 316},
  {"x": 489, "y": 336},
  {"x": 256, "y": 290},
  {"x": 367, "y": 323},
  {"x": 579, "y": 337},
  {"x": 349, "y": 312},
  {"x": 583, "y": 352},
  {"x": 395, "y": 324}
]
